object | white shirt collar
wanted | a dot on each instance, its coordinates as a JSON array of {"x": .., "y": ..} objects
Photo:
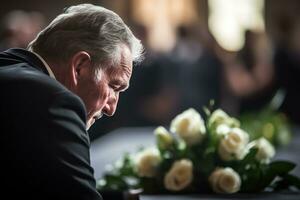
[{"x": 46, "y": 65}]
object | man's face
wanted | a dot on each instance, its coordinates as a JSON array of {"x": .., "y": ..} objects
[{"x": 101, "y": 96}]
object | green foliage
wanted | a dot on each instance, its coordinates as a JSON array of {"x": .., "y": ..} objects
[
  {"x": 268, "y": 124},
  {"x": 121, "y": 177}
]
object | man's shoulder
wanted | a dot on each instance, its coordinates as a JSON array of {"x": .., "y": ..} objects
[
  {"x": 21, "y": 67},
  {"x": 22, "y": 77},
  {"x": 21, "y": 82}
]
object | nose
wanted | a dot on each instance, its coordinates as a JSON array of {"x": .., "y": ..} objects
[{"x": 111, "y": 105}]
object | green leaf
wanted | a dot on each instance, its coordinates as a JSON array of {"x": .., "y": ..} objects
[
  {"x": 251, "y": 179},
  {"x": 273, "y": 170},
  {"x": 281, "y": 167},
  {"x": 124, "y": 166},
  {"x": 257, "y": 176},
  {"x": 207, "y": 163},
  {"x": 150, "y": 185},
  {"x": 286, "y": 182},
  {"x": 113, "y": 182},
  {"x": 206, "y": 111},
  {"x": 292, "y": 180},
  {"x": 211, "y": 103},
  {"x": 250, "y": 157}
]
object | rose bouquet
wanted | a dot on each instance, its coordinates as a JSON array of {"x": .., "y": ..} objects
[{"x": 202, "y": 156}]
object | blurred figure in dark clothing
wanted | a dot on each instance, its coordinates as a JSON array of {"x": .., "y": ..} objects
[
  {"x": 287, "y": 70},
  {"x": 18, "y": 28},
  {"x": 188, "y": 48},
  {"x": 199, "y": 68},
  {"x": 250, "y": 73}
]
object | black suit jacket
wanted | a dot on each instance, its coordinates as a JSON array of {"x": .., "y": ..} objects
[{"x": 44, "y": 143}]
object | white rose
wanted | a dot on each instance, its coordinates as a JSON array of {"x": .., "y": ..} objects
[
  {"x": 225, "y": 180},
  {"x": 265, "y": 151},
  {"x": 163, "y": 137},
  {"x": 223, "y": 130},
  {"x": 219, "y": 117},
  {"x": 147, "y": 162},
  {"x": 189, "y": 125},
  {"x": 233, "y": 145},
  {"x": 179, "y": 176}
]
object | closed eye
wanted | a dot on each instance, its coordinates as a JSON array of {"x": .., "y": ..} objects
[
  {"x": 119, "y": 88},
  {"x": 118, "y": 85}
]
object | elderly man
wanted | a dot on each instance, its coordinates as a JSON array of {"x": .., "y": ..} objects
[{"x": 72, "y": 74}]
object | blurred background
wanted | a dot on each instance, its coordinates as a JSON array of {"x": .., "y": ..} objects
[{"x": 240, "y": 53}]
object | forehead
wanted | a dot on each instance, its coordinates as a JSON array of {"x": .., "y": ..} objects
[{"x": 124, "y": 67}]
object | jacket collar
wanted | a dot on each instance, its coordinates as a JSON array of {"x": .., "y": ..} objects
[{"x": 28, "y": 57}]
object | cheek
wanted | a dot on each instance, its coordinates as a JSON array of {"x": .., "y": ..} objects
[
  {"x": 101, "y": 97},
  {"x": 95, "y": 100}
]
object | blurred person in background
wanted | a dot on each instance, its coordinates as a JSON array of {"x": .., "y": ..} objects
[
  {"x": 19, "y": 28},
  {"x": 201, "y": 73},
  {"x": 71, "y": 75},
  {"x": 188, "y": 48},
  {"x": 199, "y": 69},
  {"x": 264, "y": 66},
  {"x": 287, "y": 67},
  {"x": 249, "y": 73}
]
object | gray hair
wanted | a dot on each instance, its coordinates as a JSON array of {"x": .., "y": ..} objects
[{"x": 90, "y": 28}]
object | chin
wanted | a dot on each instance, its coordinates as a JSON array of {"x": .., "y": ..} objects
[
  {"x": 89, "y": 123},
  {"x": 87, "y": 127}
]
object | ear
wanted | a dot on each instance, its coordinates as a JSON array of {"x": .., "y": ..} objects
[{"x": 80, "y": 62}]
